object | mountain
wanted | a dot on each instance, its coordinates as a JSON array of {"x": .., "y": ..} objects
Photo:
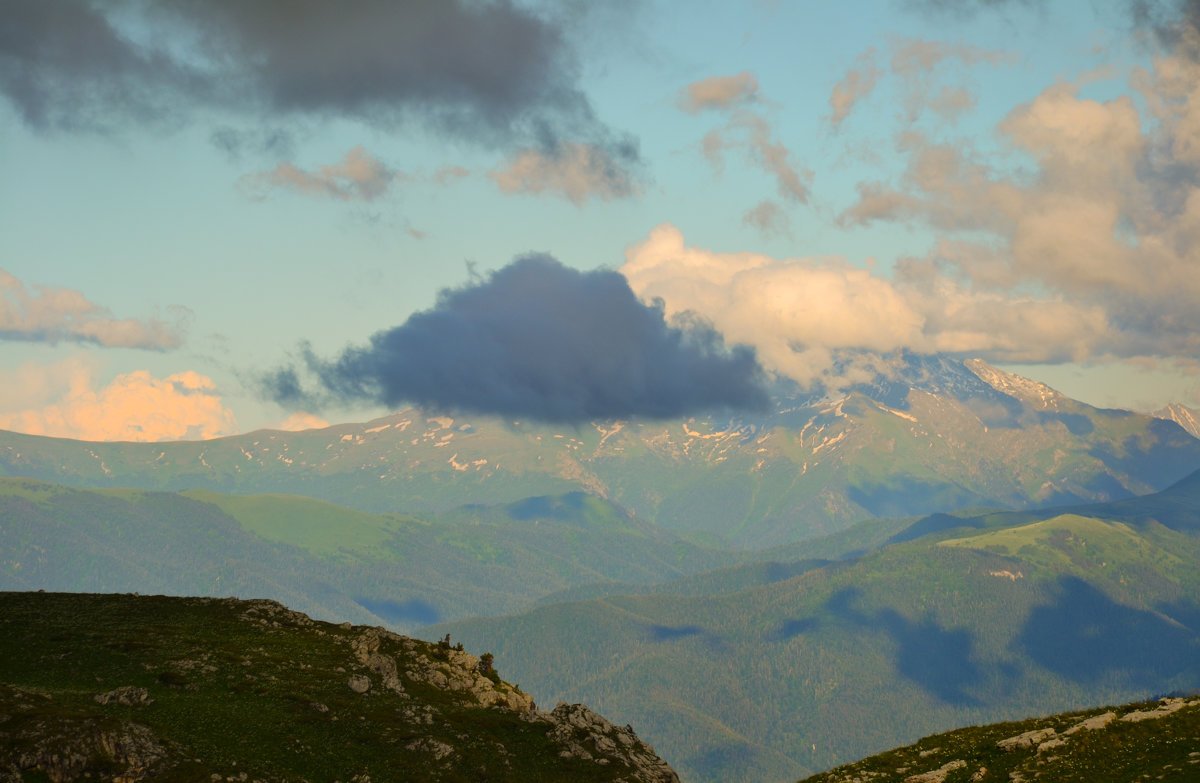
[
  {"x": 1144, "y": 741},
  {"x": 755, "y": 673},
  {"x": 927, "y": 435},
  {"x": 1188, "y": 418},
  {"x": 123, "y": 687},
  {"x": 330, "y": 561}
]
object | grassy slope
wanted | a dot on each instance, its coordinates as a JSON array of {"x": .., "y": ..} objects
[
  {"x": 328, "y": 560},
  {"x": 1164, "y": 744},
  {"x": 240, "y": 687}
]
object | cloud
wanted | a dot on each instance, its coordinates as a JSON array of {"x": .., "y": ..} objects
[
  {"x": 746, "y": 130},
  {"x": 768, "y": 218},
  {"x": 134, "y": 407},
  {"x": 575, "y": 171},
  {"x": 236, "y": 142},
  {"x": 806, "y": 317},
  {"x": 856, "y": 85},
  {"x": 966, "y": 9},
  {"x": 719, "y": 92},
  {"x": 301, "y": 420},
  {"x": 751, "y": 133},
  {"x": 919, "y": 64},
  {"x": 1104, "y": 214},
  {"x": 53, "y": 315},
  {"x": 536, "y": 339},
  {"x": 491, "y": 73},
  {"x": 449, "y": 174},
  {"x": 916, "y": 55},
  {"x": 356, "y": 177}
]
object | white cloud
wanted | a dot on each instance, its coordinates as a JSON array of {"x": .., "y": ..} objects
[
  {"x": 1107, "y": 216},
  {"x": 134, "y": 407},
  {"x": 53, "y": 315},
  {"x": 801, "y": 313}
]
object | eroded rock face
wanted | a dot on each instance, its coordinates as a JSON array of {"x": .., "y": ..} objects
[
  {"x": 129, "y": 695},
  {"x": 584, "y": 734},
  {"x": 67, "y": 751}
]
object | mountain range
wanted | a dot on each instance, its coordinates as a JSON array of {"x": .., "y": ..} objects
[
  {"x": 764, "y": 597},
  {"x": 932, "y": 435},
  {"x": 945, "y": 621}
]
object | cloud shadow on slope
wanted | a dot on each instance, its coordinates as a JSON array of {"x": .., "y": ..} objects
[
  {"x": 1085, "y": 636},
  {"x": 936, "y": 658}
]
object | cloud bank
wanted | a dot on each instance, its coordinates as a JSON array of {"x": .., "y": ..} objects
[
  {"x": 490, "y": 73},
  {"x": 54, "y": 315},
  {"x": 135, "y": 407},
  {"x": 1108, "y": 220},
  {"x": 807, "y": 316},
  {"x": 536, "y": 339}
]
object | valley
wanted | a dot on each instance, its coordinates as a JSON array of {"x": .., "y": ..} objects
[{"x": 761, "y": 598}]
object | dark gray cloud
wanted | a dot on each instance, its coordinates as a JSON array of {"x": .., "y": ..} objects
[
  {"x": 487, "y": 72},
  {"x": 538, "y": 340},
  {"x": 1172, "y": 23}
]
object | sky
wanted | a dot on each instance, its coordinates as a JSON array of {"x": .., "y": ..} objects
[{"x": 219, "y": 216}]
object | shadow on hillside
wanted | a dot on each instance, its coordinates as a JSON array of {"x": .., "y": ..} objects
[
  {"x": 937, "y": 659},
  {"x": 934, "y": 523},
  {"x": 669, "y": 633},
  {"x": 1085, "y": 636},
  {"x": 415, "y": 611},
  {"x": 1164, "y": 454},
  {"x": 908, "y": 496},
  {"x": 1076, "y": 423}
]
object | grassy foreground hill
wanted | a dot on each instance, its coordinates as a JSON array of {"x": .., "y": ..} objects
[
  {"x": 1143, "y": 741},
  {"x": 959, "y": 621},
  {"x": 123, "y": 687}
]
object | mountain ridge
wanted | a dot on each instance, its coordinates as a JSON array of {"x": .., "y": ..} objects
[
  {"x": 933, "y": 436},
  {"x": 974, "y": 620}
]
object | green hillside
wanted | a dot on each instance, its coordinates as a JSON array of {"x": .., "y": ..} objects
[
  {"x": 1157, "y": 740},
  {"x": 330, "y": 561},
  {"x": 122, "y": 687},
  {"x": 976, "y": 621}
]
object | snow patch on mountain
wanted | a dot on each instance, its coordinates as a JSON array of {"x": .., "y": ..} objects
[
  {"x": 1188, "y": 418},
  {"x": 1037, "y": 395}
]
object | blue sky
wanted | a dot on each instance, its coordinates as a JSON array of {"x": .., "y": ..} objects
[{"x": 188, "y": 194}]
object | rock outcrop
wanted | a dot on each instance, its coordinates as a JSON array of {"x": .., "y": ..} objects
[
  {"x": 188, "y": 672},
  {"x": 584, "y": 734}
]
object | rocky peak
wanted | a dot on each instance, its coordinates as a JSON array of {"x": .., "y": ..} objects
[
  {"x": 1185, "y": 417},
  {"x": 1036, "y": 395}
]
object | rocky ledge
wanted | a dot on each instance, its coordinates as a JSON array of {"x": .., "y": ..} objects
[{"x": 129, "y": 688}]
